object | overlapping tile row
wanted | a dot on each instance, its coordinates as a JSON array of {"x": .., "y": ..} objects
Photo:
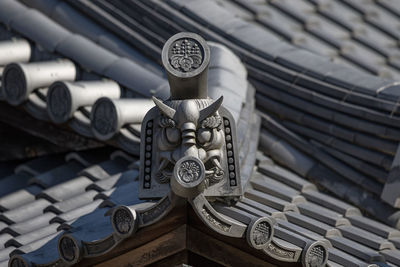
[
  {"x": 349, "y": 115},
  {"x": 117, "y": 116},
  {"x": 51, "y": 194},
  {"x": 339, "y": 127},
  {"x": 69, "y": 197},
  {"x": 307, "y": 220},
  {"x": 365, "y": 36},
  {"x": 28, "y": 83},
  {"x": 305, "y": 215}
]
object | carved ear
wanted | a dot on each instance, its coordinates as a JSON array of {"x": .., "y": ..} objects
[
  {"x": 166, "y": 110},
  {"x": 211, "y": 109}
]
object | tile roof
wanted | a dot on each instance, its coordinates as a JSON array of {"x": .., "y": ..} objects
[{"x": 329, "y": 138}]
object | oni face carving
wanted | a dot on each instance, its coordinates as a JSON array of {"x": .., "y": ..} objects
[
  {"x": 188, "y": 142},
  {"x": 190, "y": 128}
]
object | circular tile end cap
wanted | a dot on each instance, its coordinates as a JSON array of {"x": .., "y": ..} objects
[
  {"x": 315, "y": 255},
  {"x": 18, "y": 261},
  {"x": 189, "y": 176},
  {"x": 185, "y": 55},
  {"x": 104, "y": 119},
  {"x": 124, "y": 221},
  {"x": 15, "y": 88},
  {"x": 260, "y": 232},
  {"x": 69, "y": 249},
  {"x": 59, "y": 102}
]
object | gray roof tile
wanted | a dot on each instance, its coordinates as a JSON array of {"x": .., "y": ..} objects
[
  {"x": 72, "y": 203},
  {"x": 298, "y": 10},
  {"x": 104, "y": 169},
  {"x": 76, "y": 213},
  {"x": 330, "y": 202},
  {"x": 392, "y": 256},
  {"x": 280, "y": 174},
  {"x": 274, "y": 188},
  {"x": 58, "y": 175},
  {"x": 39, "y": 165},
  {"x": 255, "y": 207},
  {"x": 355, "y": 249},
  {"x": 366, "y": 238},
  {"x": 345, "y": 259},
  {"x": 302, "y": 231},
  {"x": 120, "y": 195},
  {"x": 4, "y": 254},
  {"x": 322, "y": 214},
  {"x": 65, "y": 190},
  {"x": 24, "y": 239},
  {"x": 87, "y": 53},
  {"x": 3, "y": 240},
  {"x": 45, "y": 242},
  {"x": 271, "y": 201},
  {"x": 314, "y": 225},
  {"x": 373, "y": 226},
  {"x": 14, "y": 182},
  {"x": 55, "y": 34},
  {"x": 395, "y": 241},
  {"x": 19, "y": 197},
  {"x": 30, "y": 225},
  {"x": 114, "y": 180},
  {"x": 25, "y": 212}
]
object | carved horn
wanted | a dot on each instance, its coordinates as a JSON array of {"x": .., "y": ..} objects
[
  {"x": 211, "y": 109},
  {"x": 166, "y": 110}
]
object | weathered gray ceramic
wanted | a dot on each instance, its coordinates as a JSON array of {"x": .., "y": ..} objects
[
  {"x": 16, "y": 50},
  {"x": 64, "y": 98},
  {"x": 189, "y": 140},
  {"x": 21, "y": 79}
]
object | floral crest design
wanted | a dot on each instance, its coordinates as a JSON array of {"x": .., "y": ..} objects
[
  {"x": 261, "y": 233},
  {"x": 185, "y": 55},
  {"x": 189, "y": 171}
]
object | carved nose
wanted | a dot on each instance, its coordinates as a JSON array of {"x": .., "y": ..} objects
[
  {"x": 188, "y": 147},
  {"x": 188, "y": 137}
]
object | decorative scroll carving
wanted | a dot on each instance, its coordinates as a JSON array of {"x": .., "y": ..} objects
[
  {"x": 280, "y": 253},
  {"x": 185, "y": 54},
  {"x": 215, "y": 221},
  {"x": 100, "y": 247},
  {"x": 153, "y": 213}
]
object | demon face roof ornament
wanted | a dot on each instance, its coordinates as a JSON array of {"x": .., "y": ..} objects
[
  {"x": 188, "y": 148},
  {"x": 188, "y": 141}
]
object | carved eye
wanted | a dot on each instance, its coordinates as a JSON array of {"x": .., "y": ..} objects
[
  {"x": 204, "y": 135},
  {"x": 173, "y": 135}
]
